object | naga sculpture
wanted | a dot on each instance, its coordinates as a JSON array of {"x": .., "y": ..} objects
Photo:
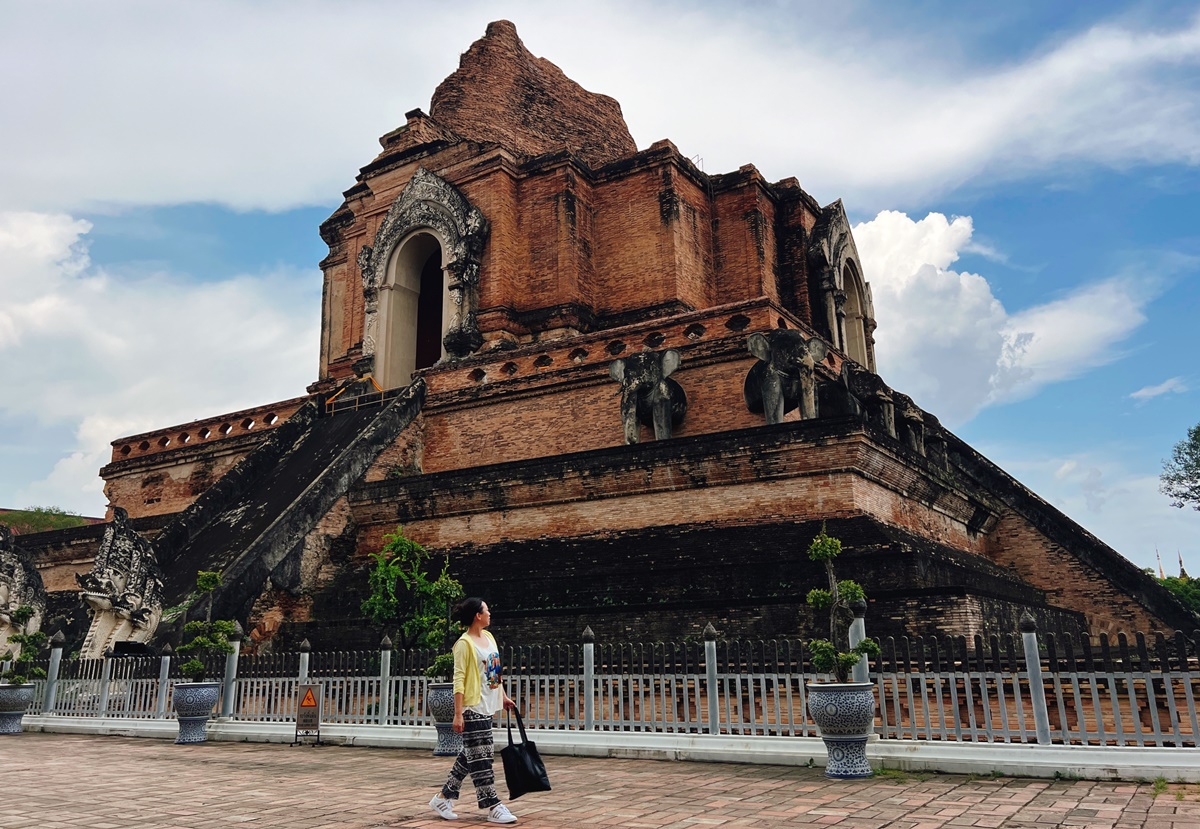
[
  {"x": 785, "y": 375},
  {"x": 648, "y": 395},
  {"x": 123, "y": 592},
  {"x": 20, "y": 586}
]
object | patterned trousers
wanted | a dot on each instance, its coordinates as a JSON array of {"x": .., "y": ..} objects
[{"x": 474, "y": 759}]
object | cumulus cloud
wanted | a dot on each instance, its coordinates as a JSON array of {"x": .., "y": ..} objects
[
  {"x": 1173, "y": 385},
  {"x": 260, "y": 106},
  {"x": 108, "y": 356},
  {"x": 946, "y": 340}
]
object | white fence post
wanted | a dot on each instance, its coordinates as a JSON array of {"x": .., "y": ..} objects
[
  {"x": 164, "y": 681},
  {"x": 858, "y": 632},
  {"x": 56, "y": 648},
  {"x": 305, "y": 652},
  {"x": 1037, "y": 691},
  {"x": 229, "y": 692},
  {"x": 105, "y": 681},
  {"x": 710, "y": 669},
  {"x": 589, "y": 679},
  {"x": 385, "y": 680}
]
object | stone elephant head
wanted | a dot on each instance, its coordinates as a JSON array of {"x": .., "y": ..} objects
[
  {"x": 648, "y": 395},
  {"x": 875, "y": 396},
  {"x": 784, "y": 376}
]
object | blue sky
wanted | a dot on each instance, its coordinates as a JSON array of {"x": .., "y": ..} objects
[{"x": 1024, "y": 179}]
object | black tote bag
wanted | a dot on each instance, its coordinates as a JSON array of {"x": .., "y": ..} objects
[{"x": 524, "y": 770}]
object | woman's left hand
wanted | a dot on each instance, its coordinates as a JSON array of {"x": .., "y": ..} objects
[{"x": 509, "y": 705}]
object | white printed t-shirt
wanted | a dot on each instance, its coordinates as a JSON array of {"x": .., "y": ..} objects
[{"x": 491, "y": 699}]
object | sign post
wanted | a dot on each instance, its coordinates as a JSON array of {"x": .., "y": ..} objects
[{"x": 308, "y": 711}]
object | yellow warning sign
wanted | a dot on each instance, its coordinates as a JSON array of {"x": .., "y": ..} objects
[{"x": 308, "y": 711}]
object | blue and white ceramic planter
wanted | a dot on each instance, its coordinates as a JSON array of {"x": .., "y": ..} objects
[
  {"x": 14, "y": 700},
  {"x": 441, "y": 707},
  {"x": 845, "y": 714},
  {"x": 193, "y": 703}
]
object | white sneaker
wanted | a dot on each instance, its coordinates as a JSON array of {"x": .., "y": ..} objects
[
  {"x": 443, "y": 807},
  {"x": 500, "y": 814}
]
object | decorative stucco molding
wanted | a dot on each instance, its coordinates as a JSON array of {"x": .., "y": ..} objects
[{"x": 430, "y": 202}]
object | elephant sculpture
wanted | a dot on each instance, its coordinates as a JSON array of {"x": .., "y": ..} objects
[
  {"x": 910, "y": 422},
  {"x": 648, "y": 394},
  {"x": 875, "y": 396},
  {"x": 784, "y": 377}
]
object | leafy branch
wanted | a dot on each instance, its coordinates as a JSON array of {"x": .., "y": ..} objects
[
  {"x": 20, "y": 667},
  {"x": 207, "y": 638},
  {"x": 834, "y": 655},
  {"x": 403, "y": 593}
]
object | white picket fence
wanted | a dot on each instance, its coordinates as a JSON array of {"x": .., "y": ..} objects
[{"x": 1100, "y": 693}]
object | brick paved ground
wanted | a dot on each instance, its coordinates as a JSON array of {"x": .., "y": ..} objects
[{"x": 53, "y": 781}]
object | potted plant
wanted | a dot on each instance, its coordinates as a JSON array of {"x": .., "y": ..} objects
[
  {"x": 16, "y": 692},
  {"x": 844, "y": 711},
  {"x": 403, "y": 595},
  {"x": 193, "y": 701}
]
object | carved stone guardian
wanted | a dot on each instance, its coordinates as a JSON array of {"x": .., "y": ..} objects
[
  {"x": 785, "y": 376},
  {"x": 20, "y": 586},
  {"x": 123, "y": 592},
  {"x": 648, "y": 395}
]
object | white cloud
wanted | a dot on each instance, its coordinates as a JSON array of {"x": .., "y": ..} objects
[
  {"x": 1173, "y": 385},
  {"x": 112, "y": 357},
  {"x": 946, "y": 340},
  {"x": 275, "y": 104}
]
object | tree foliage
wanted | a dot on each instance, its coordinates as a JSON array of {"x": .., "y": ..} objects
[
  {"x": 207, "y": 638},
  {"x": 40, "y": 520},
  {"x": 1180, "y": 478},
  {"x": 404, "y": 596},
  {"x": 834, "y": 655},
  {"x": 1187, "y": 590},
  {"x": 21, "y": 668}
]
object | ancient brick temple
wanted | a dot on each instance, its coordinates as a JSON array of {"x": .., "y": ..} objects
[{"x": 614, "y": 389}]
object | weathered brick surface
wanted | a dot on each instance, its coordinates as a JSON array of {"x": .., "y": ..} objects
[
  {"x": 1067, "y": 581},
  {"x": 516, "y": 466},
  {"x": 164, "y": 471},
  {"x": 500, "y": 92}
]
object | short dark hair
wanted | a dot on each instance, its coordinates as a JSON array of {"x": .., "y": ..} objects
[{"x": 465, "y": 611}]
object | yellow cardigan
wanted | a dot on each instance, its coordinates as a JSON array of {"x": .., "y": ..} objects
[{"x": 467, "y": 678}]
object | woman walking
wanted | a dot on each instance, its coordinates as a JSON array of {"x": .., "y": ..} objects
[{"x": 478, "y": 695}]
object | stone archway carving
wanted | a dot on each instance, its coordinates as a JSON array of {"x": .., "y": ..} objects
[
  {"x": 430, "y": 202},
  {"x": 831, "y": 253}
]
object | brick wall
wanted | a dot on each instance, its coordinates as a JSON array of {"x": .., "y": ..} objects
[{"x": 1067, "y": 581}]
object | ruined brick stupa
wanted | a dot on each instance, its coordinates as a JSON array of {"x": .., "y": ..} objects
[{"x": 615, "y": 390}]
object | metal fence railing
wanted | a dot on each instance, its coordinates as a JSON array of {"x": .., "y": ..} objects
[{"x": 1140, "y": 692}]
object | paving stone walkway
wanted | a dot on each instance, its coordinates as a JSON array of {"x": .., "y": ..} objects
[{"x": 55, "y": 781}]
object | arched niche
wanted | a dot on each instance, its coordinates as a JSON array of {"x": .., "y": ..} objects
[
  {"x": 415, "y": 309},
  {"x": 857, "y": 317},
  {"x": 429, "y": 212},
  {"x": 842, "y": 306}
]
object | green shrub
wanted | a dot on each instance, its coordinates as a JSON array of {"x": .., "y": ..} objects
[
  {"x": 207, "y": 638},
  {"x": 834, "y": 655},
  {"x": 21, "y": 669}
]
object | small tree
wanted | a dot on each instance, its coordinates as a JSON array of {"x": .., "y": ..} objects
[
  {"x": 834, "y": 655},
  {"x": 1180, "y": 478},
  {"x": 403, "y": 596},
  {"x": 21, "y": 668},
  {"x": 207, "y": 638}
]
